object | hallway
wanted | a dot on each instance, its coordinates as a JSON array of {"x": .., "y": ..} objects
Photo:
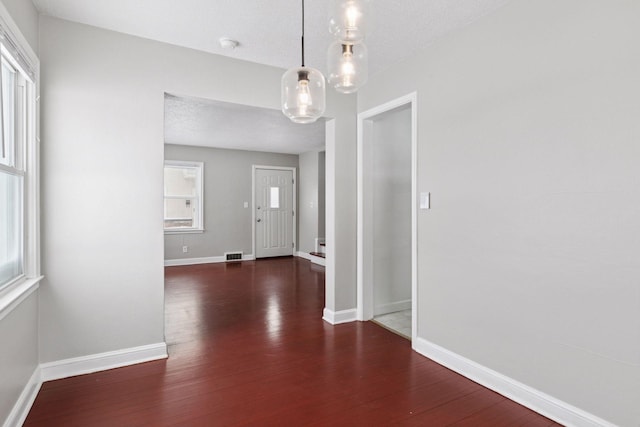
[{"x": 247, "y": 346}]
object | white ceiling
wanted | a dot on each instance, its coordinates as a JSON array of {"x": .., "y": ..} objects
[
  {"x": 269, "y": 33},
  {"x": 206, "y": 123}
]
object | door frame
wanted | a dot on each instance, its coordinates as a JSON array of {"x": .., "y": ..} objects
[
  {"x": 364, "y": 308},
  {"x": 294, "y": 223}
]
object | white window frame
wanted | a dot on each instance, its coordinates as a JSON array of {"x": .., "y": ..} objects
[
  {"x": 19, "y": 54},
  {"x": 16, "y": 147},
  {"x": 200, "y": 196}
]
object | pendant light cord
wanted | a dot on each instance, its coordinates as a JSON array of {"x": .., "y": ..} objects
[{"x": 302, "y": 33}]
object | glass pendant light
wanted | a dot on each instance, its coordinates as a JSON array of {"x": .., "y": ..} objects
[
  {"x": 303, "y": 91},
  {"x": 347, "y": 63},
  {"x": 303, "y": 94},
  {"x": 348, "y": 19}
]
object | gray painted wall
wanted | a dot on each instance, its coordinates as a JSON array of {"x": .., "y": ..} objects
[
  {"x": 390, "y": 189},
  {"x": 343, "y": 242},
  {"x": 19, "y": 327},
  {"x": 227, "y": 185},
  {"x": 102, "y": 154},
  {"x": 311, "y": 200},
  {"x": 528, "y": 141}
]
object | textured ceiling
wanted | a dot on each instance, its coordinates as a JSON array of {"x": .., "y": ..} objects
[
  {"x": 206, "y": 123},
  {"x": 269, "y": 30},
  {"x": 269, "y": 33}
]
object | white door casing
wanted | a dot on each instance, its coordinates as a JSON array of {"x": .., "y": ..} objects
[
  {"x": 364, "y": 254},
  {"x": 274, "y": 211}
]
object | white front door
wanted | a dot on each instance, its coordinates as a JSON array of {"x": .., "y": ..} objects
[{"x": 274, "y": 212}]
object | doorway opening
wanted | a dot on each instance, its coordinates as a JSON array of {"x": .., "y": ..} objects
[
  {"x": 215, "y": 134},
  {"x": 387, "y": 246}
]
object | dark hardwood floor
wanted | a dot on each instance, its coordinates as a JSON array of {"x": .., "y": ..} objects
[{"x": 247, "y": 346}]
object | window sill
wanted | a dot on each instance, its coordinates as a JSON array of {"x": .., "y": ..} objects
[
  {"x": 184, "y": 231},
  {"x": 14, "y": 294}
]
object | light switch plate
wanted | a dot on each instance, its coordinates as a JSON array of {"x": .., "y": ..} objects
[
  {"x": 246, "y": 204},
  {"x": 425, "y": 200}
]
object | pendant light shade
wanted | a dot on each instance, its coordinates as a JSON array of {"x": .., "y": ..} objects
[
  {"x": 303, "y": 94},
  {"x": 348, "y": 19},
  {"x": 303, "y": 91},
  {"x": 347, "y": 64}
]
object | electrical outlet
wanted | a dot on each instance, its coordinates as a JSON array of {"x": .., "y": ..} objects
[{"x": 185, "y": 249}]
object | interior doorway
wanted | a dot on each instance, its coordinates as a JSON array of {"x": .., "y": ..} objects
[
  {"x": 387, "y": 216},
  {"x": 195, "y": 126},
  {"x": 274, "y": 196}
]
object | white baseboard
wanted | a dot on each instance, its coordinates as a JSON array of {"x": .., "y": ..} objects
[
  {"x": 392, "y": 307},
  {"x": 337, "y": 317},
  {"x": 205, "y": 260},
  {"x": 78, "y": 366},
  {"x": 533, "y": 399},
  {"x": 102, "y": 361},
  {"x": 21, "y": 409},
  {"x": 314, "y": 259}
]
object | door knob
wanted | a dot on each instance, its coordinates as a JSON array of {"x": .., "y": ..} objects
[{"x": 258, "y": 220}]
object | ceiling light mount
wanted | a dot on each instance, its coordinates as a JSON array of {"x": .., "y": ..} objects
[{"x": 227, "y": 43}]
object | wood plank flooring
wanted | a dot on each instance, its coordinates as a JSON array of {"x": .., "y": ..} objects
[{"x": 248, "y": 347}]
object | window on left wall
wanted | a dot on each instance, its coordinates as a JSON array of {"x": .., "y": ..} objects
[
  {"x": 183, "y": 197},
  {"x": 15, "y": 127}
]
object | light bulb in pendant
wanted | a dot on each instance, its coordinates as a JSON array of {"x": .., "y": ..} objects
[
  {"x": 304, "y": 96},
  {"x": 352, "y": 15},
  {"x": 347, "y": 67}
]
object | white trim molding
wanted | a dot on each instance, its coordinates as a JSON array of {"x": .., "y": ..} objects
[
  {"x": 102, "y": 361},
  {"x": 79, "y": 366},
  {"x": 19, "y": 43},
  {"x": 338, "y": 317},
  {"x": 523, "y": 394},
  {"x": 199, "y": 167},
  {"x": 205, "y": 260},
  {"x": 314, "y": 259},
  {"x": 364, "y": 297},
  {"x": 21, "y": 409},
  {"x": 392, "y": 307},
  {"x": 330, "y": 215},
  {"x": 14, "y": 294}
]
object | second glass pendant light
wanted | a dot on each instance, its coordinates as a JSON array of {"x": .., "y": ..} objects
[
  {"x": 347, "y": 63},
  {"x": 347, "y": 57}
]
